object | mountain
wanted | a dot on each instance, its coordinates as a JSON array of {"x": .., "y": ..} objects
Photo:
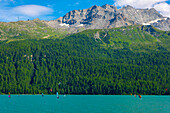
[
  {"x": 95, "y": 17},
  {"x": 134, "y": 37},
  {"x": 108, "y": 16},
  {"x": 100, "y": 50}
]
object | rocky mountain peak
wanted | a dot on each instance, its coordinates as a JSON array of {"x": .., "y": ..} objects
[
  {"x": 109, "y": 7},
  {"x": 140, "y": 15},
  {"x": 128, "y": 7},
  {"x": 153, "y": 9},
  {"x": 59, "y": 19},
  {"x": 107, "y": 16},
  {"x": 37, "y": 19},
  {"x": 94, "y": 7}
]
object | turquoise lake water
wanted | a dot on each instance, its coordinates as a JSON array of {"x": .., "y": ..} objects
[{"x": 84, "y": 104}]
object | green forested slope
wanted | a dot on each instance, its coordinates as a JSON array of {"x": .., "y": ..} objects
[
  {"x": 90, "y": 62},
  {"x": 136, "y": 38}
]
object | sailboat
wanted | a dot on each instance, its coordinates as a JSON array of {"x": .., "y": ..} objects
[
  {"x": 140, "y": 96},
  {"x": 9, "y": 96},
  {"x": 135, "y": 94},
  {"x": 57, "y": 95}
]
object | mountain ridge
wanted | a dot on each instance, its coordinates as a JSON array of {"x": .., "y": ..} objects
[
  {"x": 36, "y": 57},
  {"x": 108, "y": 16},
  {"x": 143, "y": 37}
]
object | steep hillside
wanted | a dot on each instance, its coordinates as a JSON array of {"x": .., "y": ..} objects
[
  {"x": 78, "y": 65},
  {"x": 162, "y": 24},
  {"x": 133, "y": 59},
  {"x": 136, "y": 38},
  {"x": 130, "y": 59},
  {"x": 28, "y": 30}
]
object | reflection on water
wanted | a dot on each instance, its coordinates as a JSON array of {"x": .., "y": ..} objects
[{"x": 84, "y": 104}]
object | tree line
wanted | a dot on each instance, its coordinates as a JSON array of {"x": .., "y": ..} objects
[{"x": 80, "y": 66}]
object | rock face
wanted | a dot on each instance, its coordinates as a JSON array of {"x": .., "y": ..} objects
[
  {"x": 140, "y": 15},
  {"x": 108, "y": 16},
  {"x": 163, "y": 24}
]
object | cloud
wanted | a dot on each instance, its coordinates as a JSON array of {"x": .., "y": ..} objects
[
  {"x": 60, "y": 12},
  {"x": 75, "y": 4},
  {"x": 138, "y": 3},
  {"x": 164, "y": 9},
  {"x": 32, "y": 10},
  {"x": 7, "y": 1},
  {"x": 24, "y": 12},
  {"x": 159, "y": 5},
  {"x": 7, "y": 15}
]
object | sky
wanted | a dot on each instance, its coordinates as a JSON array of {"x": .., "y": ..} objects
[{"x": 14, "y": 10}]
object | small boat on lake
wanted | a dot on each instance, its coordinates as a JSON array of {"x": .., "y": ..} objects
[
  {"x": 135, "y": 95},
  {"x": 9, "y": 96},
  {"x": 140, "y": 96},
  {"x": 57, "y": 95}
]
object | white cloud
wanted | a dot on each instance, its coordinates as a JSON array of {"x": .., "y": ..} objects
[
  {"x": 7, "y": 1},
  {"x": 32, "y": 10},
  {"x": 24, "y": 12},
  {"x": 159, "y": 5},
  {"x": 164, "y": 9},
  {"x": 138, "y": 3}
]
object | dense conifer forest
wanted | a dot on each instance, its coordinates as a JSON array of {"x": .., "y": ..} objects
[{"x": 80, "y": 64}]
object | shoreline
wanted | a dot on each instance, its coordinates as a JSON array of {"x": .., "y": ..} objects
[{"x": 84, "y": 94}]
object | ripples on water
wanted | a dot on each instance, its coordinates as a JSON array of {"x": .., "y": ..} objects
[{"x": 84, "y": 104}]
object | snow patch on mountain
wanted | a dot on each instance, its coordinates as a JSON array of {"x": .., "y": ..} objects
[
  {"x": 154, "y": 21},
  {"x": 64, "y": 24}
]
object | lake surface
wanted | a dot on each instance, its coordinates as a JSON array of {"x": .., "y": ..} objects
[{"x": 84, "y": 104}]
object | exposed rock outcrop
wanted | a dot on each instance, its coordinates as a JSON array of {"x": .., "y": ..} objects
[{"x": 108, "y": 16}]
